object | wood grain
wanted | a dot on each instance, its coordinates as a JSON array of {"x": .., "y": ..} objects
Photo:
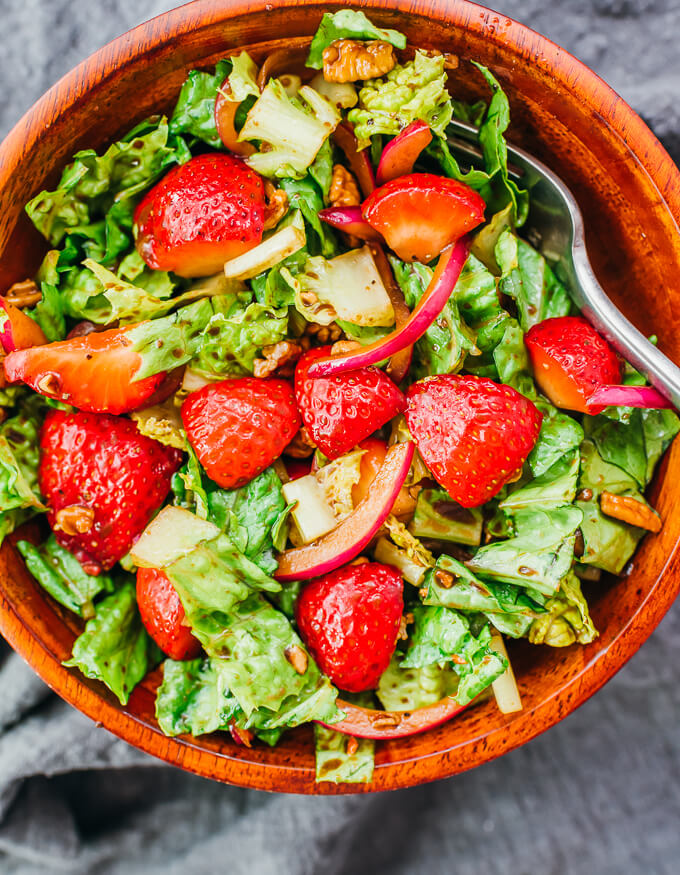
[{"x": 629, "y": 190}]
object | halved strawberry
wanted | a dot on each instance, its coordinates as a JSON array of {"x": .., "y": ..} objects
[
  {"x": 570, "y": 360},
  {"x": 419, "y": 215},
  {"x": 94, "y": 372},
  {"x": 202, "y": 214},
  {"x": 102, "y": 481},
  {"x": 473, "y": 434},
  {"x": 239, "y": 427},
  {"x": 342, "y": 410}
]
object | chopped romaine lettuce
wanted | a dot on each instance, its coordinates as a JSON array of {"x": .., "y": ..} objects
[
  {"x": 192, "y": 699},
  {"x": 529, "y": 281},
  {"x": 477, "y": 299},
  {"x": 443, "y": 347},
  {"x": 348, "y": 24},
  {"x": 294, "y": 131},
  {"x": 341, "y": 758},
  {"x": 438, "y": 516},
  {"x": 567, "y": 619},
  {"x": 553, "y": 488},
  {"x": 62, "y": 576},
  {"x": 306, "y": 195},
  {"x": 194, "y": 113},
  {"x": 559, "y": 435},
  {"x": 512, "y": 360},
  {"x": 114, "y": 647},
  {"x": 608, "y": 543},
  {"x": 163, "y": 423},
  {"x": 406, "y": 689},
  {"x": 49, "y": 313},
  {"x": 539, "y": 556},
  {"x": 243, "y": 77},
  {"x": 414, "y": 90}
]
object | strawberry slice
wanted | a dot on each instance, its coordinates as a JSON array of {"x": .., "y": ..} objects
[
  {"x": 419, "y": 215},
  {"x": 473, "y": 434},
  {"x": 342, "y": 410},
  {"x": 239, "y": 427},
  {"x": 162, "y": 613},
  {"x": 350, "y": 621},
  {"x": 94, "y": 372},
  {"x": 202, "y": 214},
  {"x": 102, "y": 481},
  {"x": 570, "y": 361}
]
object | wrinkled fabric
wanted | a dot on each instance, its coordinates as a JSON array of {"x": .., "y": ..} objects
[{"x": 597, "y": 795}]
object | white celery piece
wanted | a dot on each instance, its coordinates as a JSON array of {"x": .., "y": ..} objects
[
  {"x": 291, "y": 83},
  {"x": 505, "y": 687},
  {"x": 174, "y": 533},
  {"x": 312, "y": 513},
  {"x": 341, "y": 94},
  {"x": 347, "y": 287},
  {"x": 294, "y": 133},
  {"x": 193, "y": 381},
  {"x": 270, "y": 252},
  {"x": 389, "y": 554}
]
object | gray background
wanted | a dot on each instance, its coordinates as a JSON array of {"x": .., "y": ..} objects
[{"x": 597, "y": 795}]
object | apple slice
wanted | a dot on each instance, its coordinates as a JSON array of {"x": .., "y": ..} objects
[
  {"x": 225, "y": 114},
  {"x": 358, "y": 160},
  {"x": 386, "y": 725},
  {"x": 348, "y": 539},
  {"x": 419, "y": 215},
  {"x": 401, "y": 153},
  {"x": 17, "y": 330}
]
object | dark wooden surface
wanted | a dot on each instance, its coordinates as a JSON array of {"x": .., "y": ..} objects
[{"x": 624, "y": 182}]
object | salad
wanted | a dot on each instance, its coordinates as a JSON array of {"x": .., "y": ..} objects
[{"x": 303, "y": 420}]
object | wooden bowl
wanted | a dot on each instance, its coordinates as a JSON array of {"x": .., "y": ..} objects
[{"x": 629, "y": 191}]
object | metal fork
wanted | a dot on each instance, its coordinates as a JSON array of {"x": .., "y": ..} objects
[{"x": 555, "y": 225}]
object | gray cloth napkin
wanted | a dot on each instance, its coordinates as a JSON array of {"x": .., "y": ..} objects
[{"x": 596, "y": 795}]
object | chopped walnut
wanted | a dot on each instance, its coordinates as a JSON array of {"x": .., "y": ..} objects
[
  {"x": 297, "y": 657},
  {"x": 346, "y": 60},
  {"x": 276, "y": 356},
  {"x": 23, "y": 294},
  {"x": 74, "y": 520},
  {"x": 324, "y": 333},
  {"x": 345, "y": 346},
  {"x": 386, "y": 720},
  {"x": 405, "y": 621},
  {"x": 444, "y": 578},
  {"x": 301, "y": 446},
  {"x": 344, "y": 191},
  {"x": 630, "y": 510},
  {"x": 276, "y": 205}
]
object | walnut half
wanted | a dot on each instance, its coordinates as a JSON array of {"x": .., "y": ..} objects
[
  {"x": 276, "y": 355},
  {"x": 74, "y": 520},
  {"x": 344, "y": 191},
  {"x": 346, "y": 60},
  {"x": 629, "y": 510}
]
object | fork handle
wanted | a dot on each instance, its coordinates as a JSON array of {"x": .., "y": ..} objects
[{"x": 591, "y": 298}]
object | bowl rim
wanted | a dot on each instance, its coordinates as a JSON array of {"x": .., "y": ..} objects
[{"x": 653, "y": 159}]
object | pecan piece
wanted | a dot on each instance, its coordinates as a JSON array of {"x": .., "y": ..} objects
[
  {"x": 301, "y": 446},
  {"x": 324, "y": 333},
  {"x": 74, "y": 520},
  {"x": 276, "y": 356},
  {"x": 346, "y": 60},
  {"x": 276, "y": 205},
  {"x": 344, "y": 191},
  {"x": 23, "y": 294},
  {"x": 344, "y": 346},
  {"x": 629, "y": 510},
  {"x": 386, "y": 720},
  {"x": 444, "y": 578},
  {"x": 297, "y": 657}
]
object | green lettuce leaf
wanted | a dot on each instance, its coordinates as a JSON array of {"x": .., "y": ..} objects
[
  {"x": 527, "y": 278},
  {"x": 96, "y": 195},
  {"x": 443, "y": 347},
  {"x": 567, "y": 618},
  {"x": 336, "y": 764},
  {"x": 232, "y": 340},
  {"x": 554, "y": 488},
  {"x": 608, "y": 543},
  {"x": 438, "y": 516},
  {"x": 49, "y": 313},
  {"x": 414, "y": 90},
  {"x": 406, "y": 689},
  {"x": 512, "y": 360},
  {"x": 193, "y": 700},
  {"x": 114, "y": 647},
  {"x": 194, "y": 113},
  {"x": 19, "y": 460},
  {"x": 559, "y": 435},
  {"x": 539, "y": 556},
  {"x": 348, "y": 24},
  {"x": 62, "y": 576},
  {"x": 306, "y": 195},
  {"x": 478, "y": 303}
]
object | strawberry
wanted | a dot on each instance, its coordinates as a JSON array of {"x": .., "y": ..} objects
[
  {"x": 101, "y": 466},
  {"x": 94, "y": 372},
  {"x": 239, "y": 427},
  {"x": 419, "y": 215},
  {"x": 349, "y": 620},
  {"x": 342, "y": 410},
  {"x": 163, "y": 615},
  {"x": 473, "y": 434},
  {"x": 570, "y": 360},
  {"x": 203, "y": 213}
]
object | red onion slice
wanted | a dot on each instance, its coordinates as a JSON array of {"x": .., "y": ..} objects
[
  {"x": 627, "y": 396},
  {"x": 350, "y": 220}
]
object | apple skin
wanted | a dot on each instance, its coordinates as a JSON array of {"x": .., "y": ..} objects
[
  {"x": 19, "y": 330},
  {"x": 400, "y": 154},
  {"x": 387, "y": 725}
]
